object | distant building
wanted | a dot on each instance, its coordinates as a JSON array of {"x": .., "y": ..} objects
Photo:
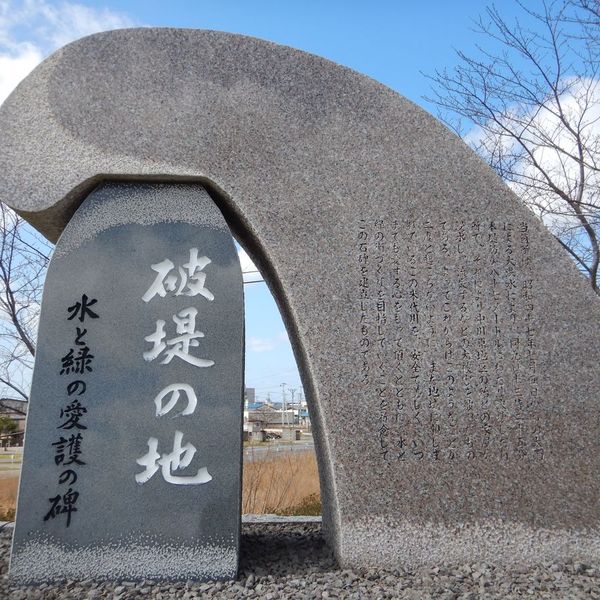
[
  {"x": 269, "y": 418},
  {"x": 249, "y": 395},
  {"x": 258, "y": 406},
  {"x": 304, "y": 417}
]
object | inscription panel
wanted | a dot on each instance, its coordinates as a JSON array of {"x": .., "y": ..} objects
[
  {"x": 446, "y": 312},
  {"x": 132, "y": 459}
]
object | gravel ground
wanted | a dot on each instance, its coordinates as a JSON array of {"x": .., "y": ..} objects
[{"x": 291, "y": 560}]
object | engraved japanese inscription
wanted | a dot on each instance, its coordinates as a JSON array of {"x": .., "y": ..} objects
[
  {"x": 191, "y": 283},
  {"x": 132, "y": 463},
  {"x": 446, "y": 335},
  {"x": 68, "y": 451}
]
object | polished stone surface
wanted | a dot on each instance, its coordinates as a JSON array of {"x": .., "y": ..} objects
[
  {"x": 133, "y": 456},
  {"x": 448, "y": 346}
]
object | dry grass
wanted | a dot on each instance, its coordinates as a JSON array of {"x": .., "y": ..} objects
[
  {"x": 285, "y": 484},
  {"x": 9, "y": 485}
]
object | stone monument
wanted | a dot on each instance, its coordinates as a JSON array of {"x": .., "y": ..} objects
[
  {"x": 447, "y": 344},
  {"x": 133, "y": 455}
]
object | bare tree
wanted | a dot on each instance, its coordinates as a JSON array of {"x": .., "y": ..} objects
[
  {"x": 24, "y": 257},
  {"x": 528, "y": 102},
  {"x": 587, "y": 14}
]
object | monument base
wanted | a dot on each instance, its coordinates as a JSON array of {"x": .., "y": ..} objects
[{"x": 379, "y": 542}]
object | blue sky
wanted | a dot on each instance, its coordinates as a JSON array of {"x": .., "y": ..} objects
[
  {"x": 389, "y": 40},
  {"x": 393, "y": 42}
]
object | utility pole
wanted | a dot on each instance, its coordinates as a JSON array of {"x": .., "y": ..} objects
[
  {"x": 282, "y": 405},
  {"x": 292, "y": 391}
]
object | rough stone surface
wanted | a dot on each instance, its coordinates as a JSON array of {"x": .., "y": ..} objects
[
  {"x": 286, "y": 560},
  {"x": 165, "y": 526},
  {"x": 448, "y": 347}
]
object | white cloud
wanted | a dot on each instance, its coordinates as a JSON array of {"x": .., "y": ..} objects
[
  {"x": 59, "y": 25},
  {"x": 266, "y": 344},
  {"x": 249, "y": 269},
  {"x": 552, "y": 146},
  {"x": 14, "y": 68},
  {"x": 32, "y": 29}
]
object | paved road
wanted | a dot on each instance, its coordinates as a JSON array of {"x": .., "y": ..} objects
[{"x": 261, "y": 452}]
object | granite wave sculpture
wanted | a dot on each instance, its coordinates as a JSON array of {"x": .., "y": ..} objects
[{"x": 448, "y": 346}]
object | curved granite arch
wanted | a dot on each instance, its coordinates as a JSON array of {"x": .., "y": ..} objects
[{"x": 305, "y": 157}]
